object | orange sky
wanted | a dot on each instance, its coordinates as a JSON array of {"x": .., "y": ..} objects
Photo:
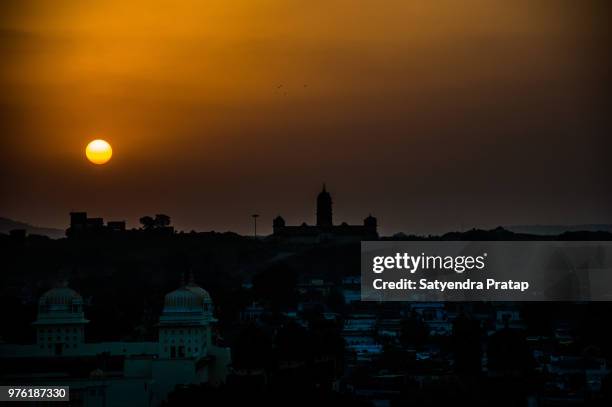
[{"x": 429, "y": 114}]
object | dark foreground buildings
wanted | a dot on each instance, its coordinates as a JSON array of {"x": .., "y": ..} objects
[
  {"x": 81, "y": 225},
  {"x": 119, "y": 373}
]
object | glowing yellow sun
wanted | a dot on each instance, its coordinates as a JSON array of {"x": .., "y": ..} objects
[{"x": 98, "y": 151}]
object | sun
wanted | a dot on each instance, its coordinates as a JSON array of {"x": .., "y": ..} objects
[{"x": 98, "y": 151}]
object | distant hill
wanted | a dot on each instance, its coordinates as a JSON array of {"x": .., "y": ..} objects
[
  {"x": 503, "y": 234},
  {"x": 558, "y": 229},
  {"x": 6, "y": 225}
]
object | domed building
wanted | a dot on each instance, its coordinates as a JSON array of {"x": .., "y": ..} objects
[
  {"x": 184, "y": 326},
  {"x": 61, "y": 321},
  {"x": 186, "y": 345},
  {"x": 122, "y": 372}
]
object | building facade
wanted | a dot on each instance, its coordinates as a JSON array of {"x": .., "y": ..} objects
[{"x": 60, "y": 325}]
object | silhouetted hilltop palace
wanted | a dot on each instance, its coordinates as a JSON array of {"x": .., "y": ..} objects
[{"x": 325, "y": 228}]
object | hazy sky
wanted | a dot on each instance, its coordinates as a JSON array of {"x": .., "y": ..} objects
[{"x": 431, "y": 115}]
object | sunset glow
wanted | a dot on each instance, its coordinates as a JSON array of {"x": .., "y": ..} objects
[{"x": 206, "y": 97}]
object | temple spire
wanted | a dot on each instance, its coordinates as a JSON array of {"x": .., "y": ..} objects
[{"x": 324, "y": 208}]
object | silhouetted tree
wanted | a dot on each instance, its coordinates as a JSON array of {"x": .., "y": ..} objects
[
  {"x": 508, "y": 352},
  {"x": 326, "y": 338},
  {"x": 606, "y": 389},
  {"x": 292, "y": 342},
  {"x": 162, "y": 220},
  {"x": 466, "y": 345},
  {"x": 335, "y": 299},
  {"x": 413, "y": 331},
  {"x": 395, "y": 359},
  {"x": 276, "y": 285},
  {"x": 147, "y": 222},
  {"x": 252, "y": 348}
]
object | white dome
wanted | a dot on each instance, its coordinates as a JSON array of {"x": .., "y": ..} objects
[
  {"x": 189, "y": 304},
  {"x": 60, "y": 304},
  {"x": 199, "y": 291},
  {"x": 60, "y": 295},
  {"x": 59, "y": 299},
  {"x": 182, "y": 299}
]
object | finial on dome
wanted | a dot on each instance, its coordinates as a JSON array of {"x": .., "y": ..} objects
[
  {"x": 191, "y": 278},
  {"x": 182, "y": 282}
]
